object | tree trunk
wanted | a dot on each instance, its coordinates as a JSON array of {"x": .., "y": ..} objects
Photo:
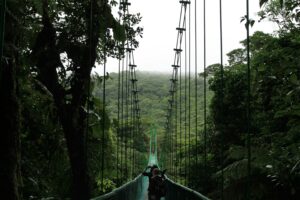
[
  {"x": 73, "y": 125},
  {"x": 9, "y": 117},
  {"x": 9, "y": 139},
  {"x": 71, "y": 114}
]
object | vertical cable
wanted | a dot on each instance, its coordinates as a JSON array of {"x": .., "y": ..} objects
[
  {"x": 119, "y": 94},
  {"x": 118, "y": 128},
  {"x": 248, "y": 105},
  {"x": 175, "y": 103},
  {"x": 196, "y": 82},
  {"x": 180, "y": 116},
  {"x": 132, "y": 124},
  {"x": 204, "y": 84},
  {"x": 131, "y": 114},
  {"x": 172, "y": 115},
  {"x": 2, "y": 31},
  {"x": 128, "y": 51},
  {"x": 126, "y": 112},
  {"x": 185, "y": 110},
  {"x": 189, "y": 91},
  {"x": 122, "y": 120},
  {"x": 88, "y": 87},
  {"x": 171, "y": 139},
  {"x": 103, "y": 116},
  {"x": 222, "y": 100}
]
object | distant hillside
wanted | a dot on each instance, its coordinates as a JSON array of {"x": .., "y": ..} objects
[{"x": 153, "y": 95}]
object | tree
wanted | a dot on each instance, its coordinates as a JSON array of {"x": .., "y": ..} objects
[
  {"x": 9, "y": 105},
  {"x": 285, "y": 13},
  {"x": 274, "y": 118},
  {"x": 73, "y": 37}
]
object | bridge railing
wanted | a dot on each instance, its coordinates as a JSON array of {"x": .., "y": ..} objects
[
  {"x": 176, "y": 191},
  {"x": 130, "y": 191}
]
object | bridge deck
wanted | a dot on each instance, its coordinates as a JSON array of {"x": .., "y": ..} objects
[{"x": 137, "y": 189}]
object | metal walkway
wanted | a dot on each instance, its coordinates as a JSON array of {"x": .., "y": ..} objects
[{"x": 137, "y": 188}]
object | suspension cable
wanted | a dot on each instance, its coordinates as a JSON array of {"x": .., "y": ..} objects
[
  {"x": 135, "y": 103},
  {"x": 118, "y": 128},
  {"x": 204, "y": 85},
  {"x": 2, "y": 33},
  {"x": 88, "y": 85},
  {"x": 175, "y": 139},
  {"x": 131, "y": 116},
  {"x": 103, "y": 119},
  {"x": 248, "y": 105},
  {"x": 171, "y": 120},
  {"x": 126, "y": 111},
  {"x": 85, "y": 137},
  {"x": 185, "y": 109},
  {"x": 122, "y": 118},
  {"x": 189, "y": 92},
  {"x": 131, "y": 94},
  {"x": 180, "y": 116},
  {"x": 119, "y": 106},
  {"x": 172, "y": 91},
  {"x": 222, "y": 98},
  {"x": 196, "y": 84}
]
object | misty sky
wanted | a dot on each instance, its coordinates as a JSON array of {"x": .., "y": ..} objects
[{"x": 160, "y": 18}]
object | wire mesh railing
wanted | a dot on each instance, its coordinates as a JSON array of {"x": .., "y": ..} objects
[
  {"x": 176, "y": 191},
  {"x": 137, "y": 188}
]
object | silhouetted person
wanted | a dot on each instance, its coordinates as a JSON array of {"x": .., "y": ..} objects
[
  {"x": 149, "y": 174},
  {"x": 157, "y": 185}
]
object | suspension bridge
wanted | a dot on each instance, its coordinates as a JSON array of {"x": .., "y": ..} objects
[
  {"x": 182, "y": 123},
  {"x": 183, "y": 93},
  {"x": 137, "y": 189}
]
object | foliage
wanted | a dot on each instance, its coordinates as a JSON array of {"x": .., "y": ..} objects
[
  {"x": 285, "y": 13},
  {"x": 58, "y": 44},
  {"x": 274, "y": 118}
]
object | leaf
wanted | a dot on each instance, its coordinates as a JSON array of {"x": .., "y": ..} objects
[
  {"x": 262, "y": 2},
  {"x": 281, "y": 3},
  {"x": 293, "y": 79},
  {"x": 235, "y": 170},
  {"x": 236, "y": 152},
  {"x": 38, "y": 6},
  {"x": 289, "y": 112},
  {"x": 119, "y": 32}
]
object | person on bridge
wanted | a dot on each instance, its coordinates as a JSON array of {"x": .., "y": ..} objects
[
  {"x": 149, "y": 174},
  {"x": 157, "y": 185}
]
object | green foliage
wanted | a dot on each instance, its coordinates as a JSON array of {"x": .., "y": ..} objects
[
  {"x": 62, "y": 32},
  {"x": 45, "y": 167},
  {"x": 285, "y": 13},
  {"x": 274, "y": 118},
  {"x": 108, "y": 185}
]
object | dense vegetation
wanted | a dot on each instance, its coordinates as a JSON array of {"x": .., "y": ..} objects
[
  {"x": 49, "y": 50},
  {"x": 154, "y": 89},
  {"x": 53, "y": 147},
  {"x": 274, "y": 115}
]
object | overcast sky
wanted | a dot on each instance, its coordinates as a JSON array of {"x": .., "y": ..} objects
[{"x": 160, "y": 19}]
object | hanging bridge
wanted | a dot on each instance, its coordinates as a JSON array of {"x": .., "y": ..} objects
[
  {"x": 180, "y": 124},
  {"x": 137, "y": 188},
  {"x": 224, "y": 131}
]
